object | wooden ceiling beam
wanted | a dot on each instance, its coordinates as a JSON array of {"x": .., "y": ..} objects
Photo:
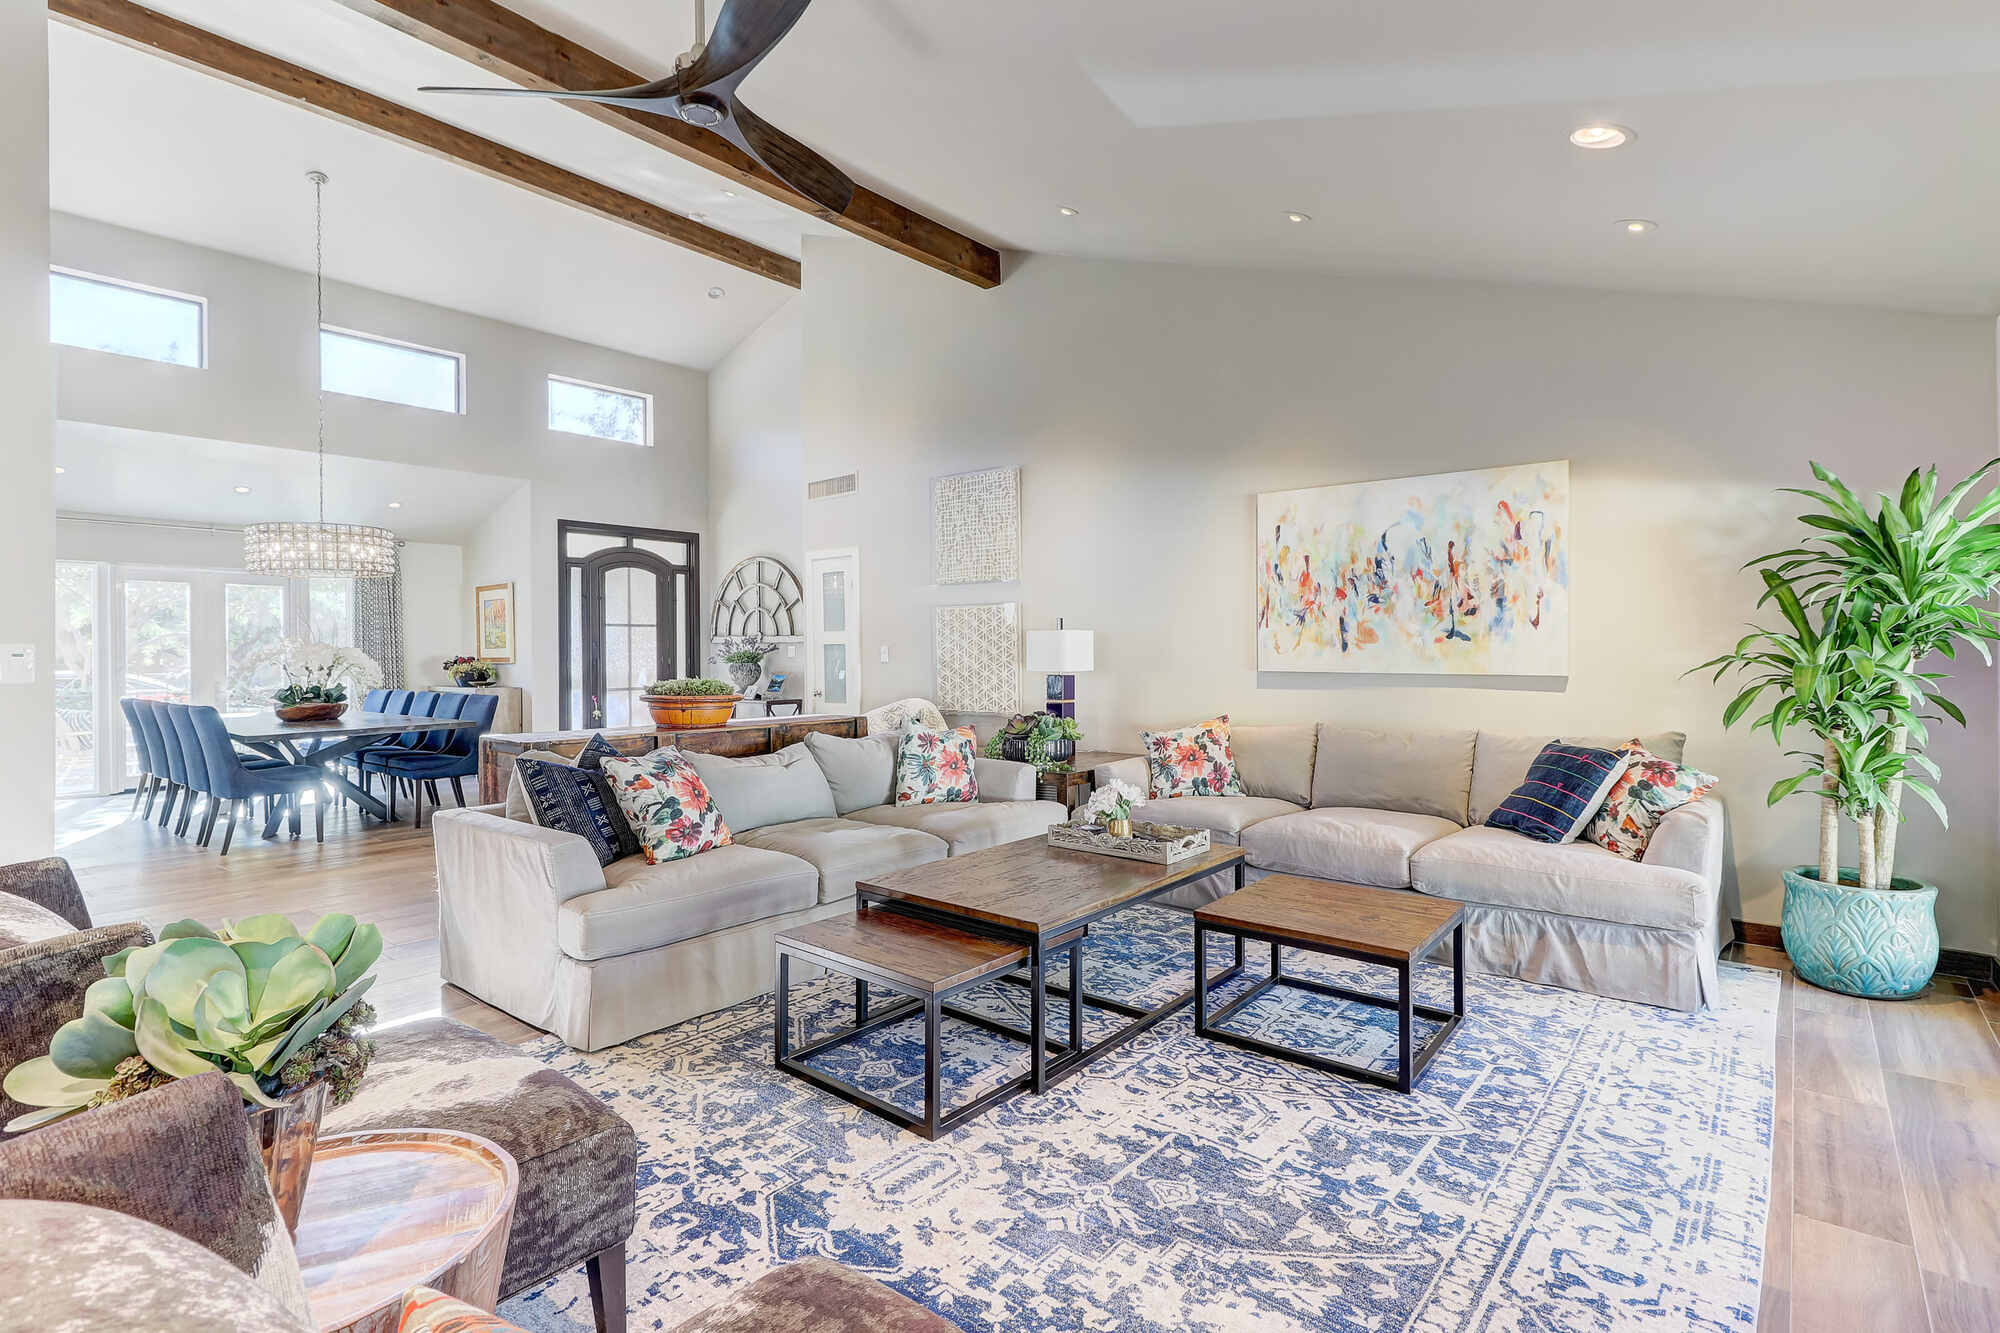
[
  {"x": 521, "y": 51},
  {"x": 196, "y": 48}
]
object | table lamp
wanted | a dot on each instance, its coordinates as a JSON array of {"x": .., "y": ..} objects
[{"x": 1060, "y": 654}]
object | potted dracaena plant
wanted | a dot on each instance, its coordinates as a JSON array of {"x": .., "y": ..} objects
[{"x": 1867, "y": 600}]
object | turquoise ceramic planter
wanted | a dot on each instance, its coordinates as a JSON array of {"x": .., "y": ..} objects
[{"x": 1881, "y": 944}]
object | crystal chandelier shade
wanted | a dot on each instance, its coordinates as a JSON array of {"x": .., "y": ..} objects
[{"x": 320, "y": 549}]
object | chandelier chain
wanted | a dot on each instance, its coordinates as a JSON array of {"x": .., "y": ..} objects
[{"x": 319, "y": 322}]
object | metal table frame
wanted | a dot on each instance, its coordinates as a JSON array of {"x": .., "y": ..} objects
[{"x": 1410, "y": 1064}]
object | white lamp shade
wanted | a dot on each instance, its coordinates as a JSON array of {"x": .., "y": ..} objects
[{"x": 1059, "y": 652}]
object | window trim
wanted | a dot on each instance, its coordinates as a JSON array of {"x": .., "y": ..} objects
[
  {"x": 642, "y": 395},
  {"x": 384, "y": 340},
  {"x": 569, "y": 671},
  {"x": 200, "y": 303}
]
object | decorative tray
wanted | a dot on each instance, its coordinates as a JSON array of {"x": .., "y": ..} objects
[{"x": 1159, "y": 844}]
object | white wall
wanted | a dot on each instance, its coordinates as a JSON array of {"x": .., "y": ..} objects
[
  {"x": 755, "y": 462},
  {"x": 260, "y": 384},
  {"x": 1149, "y": 404},
  {"x": 502, "y": 551},
  {"x": 27, "y": 517}
]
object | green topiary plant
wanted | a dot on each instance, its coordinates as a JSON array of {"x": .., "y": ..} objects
[
  {"x": 271, "y": 1008},
  {"x": 695, "y": 685}
]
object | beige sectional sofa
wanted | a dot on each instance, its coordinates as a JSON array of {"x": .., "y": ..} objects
[
  {"x": 1406, "y": 810},
  {"x": 530, "y": 923}
]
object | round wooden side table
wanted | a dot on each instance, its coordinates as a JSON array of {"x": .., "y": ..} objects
[{"x": 393, "y": 1209}]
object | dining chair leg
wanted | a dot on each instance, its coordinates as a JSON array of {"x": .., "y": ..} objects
[
  {"x": 391, "y": 780},
  {"x": 187, "y": 813},
  {"x": 298, "y": 813},
  {"x": 208, "y": 821},
  {"x": 417, "y": 800},
  {"x": 152, "y": 793},
  {"x": 229, "y": 830},
  {"x": 458, "y": 791},
  {"x": 138, "y": 792},
  {"x": 319, "y": 821},
  {"x": 167, "y": 808}
]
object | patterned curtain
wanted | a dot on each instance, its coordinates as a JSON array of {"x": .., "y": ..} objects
[{"x": 378, "y": 623}]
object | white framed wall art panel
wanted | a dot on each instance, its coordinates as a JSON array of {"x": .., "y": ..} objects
[{"x": 978, "y": 658}]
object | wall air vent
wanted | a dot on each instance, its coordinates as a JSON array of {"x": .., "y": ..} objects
[{"x": 828, "y": 487}]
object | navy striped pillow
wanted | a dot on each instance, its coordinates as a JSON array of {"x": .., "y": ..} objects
[
  {"x": 1564, "y": 787},
  {"x": 579, "y": 801}
]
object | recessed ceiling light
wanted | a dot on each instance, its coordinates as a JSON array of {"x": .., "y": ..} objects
[
  {"x": 716, "y": 293},
  {"x": 729, "y": 194},
  {"x": 1637, "y": 226},
  {"x": 1298, "y": 217},
  {"x": 1601, "y": 136},
  {"x": 59, "y": 469},
  {"x": 1067, "y": 211},
  {"x": 243, "y": 490},
  {"x": 395, "y": 504}
]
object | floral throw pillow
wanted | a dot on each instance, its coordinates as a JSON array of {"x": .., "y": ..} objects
[
  {"x": 935, "y": 767},
  {"x": 667, "y": 805},
  {"x": 1194, "y": 761},
  {"x": 1648, "y": 790}
]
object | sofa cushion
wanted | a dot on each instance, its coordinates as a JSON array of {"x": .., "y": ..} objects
[
  {"x": 1275, "y": 761},
  {"x": 1191, "y": 761},
  {"x": 1348, "y": 844},
  {"x": 646, "y": 906},
  {"x": 1562, "y": 790},
  {"x": 971, "y": 826},
  {"x": 860, "y": 771},
  {"x": 667, "y": 805},
  {"x": 1500, "y": 760},
  {"x": 1502, "y": 869},
  {"x": 577, "y": 800},
  {"x": 936, "y": 767},
  {"x": 762, "y": 789},
  {"x": 1225, "y": 817},
  {"x": 1650, "y": 789},
  {"x": 1418, "y": 772},
  {"x": 576, "y": 1158},
  {"x": 518, "y": 808},
  {"x": 844, "y": 850}
]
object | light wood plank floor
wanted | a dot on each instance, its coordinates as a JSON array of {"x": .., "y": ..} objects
[{"x": 1885, "y": 1178}]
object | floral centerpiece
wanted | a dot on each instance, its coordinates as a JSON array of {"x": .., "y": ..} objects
[
  {"x": 1111, "y": 806},
  {"x": 318, "y": 677},
  {"x": 471, "y": 672},
  {"x": 744, "y": 657},
  {"x": 278, "y": 1011}
]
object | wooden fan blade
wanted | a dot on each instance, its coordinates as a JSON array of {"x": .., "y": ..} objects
[
  {"x": 789, "y": 160},
  {"x": 744, "y": 34}
]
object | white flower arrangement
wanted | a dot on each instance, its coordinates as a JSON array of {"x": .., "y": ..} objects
[
  {"x": 322, "y": 672},
  {"x": 1110, "y": 802}
]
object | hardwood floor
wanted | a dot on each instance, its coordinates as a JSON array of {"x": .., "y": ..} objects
[
  {"x": 1885, "y": 1180},
  {"x": 133, "y": 870}
]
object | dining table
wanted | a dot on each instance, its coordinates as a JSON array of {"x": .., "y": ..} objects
[{"x": 325, "y": 744}]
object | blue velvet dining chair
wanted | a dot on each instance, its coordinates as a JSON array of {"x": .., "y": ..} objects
[
  {"x": 151, "y": 776},
  {"x": 167, "y": 749},
  {"x": 194, "y": 767},
  {"x": 431, "y": 756},
  {"x": 234, "y": 782}
]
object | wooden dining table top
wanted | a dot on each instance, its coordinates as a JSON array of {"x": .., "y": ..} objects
[{"x": 268, "y": 726}]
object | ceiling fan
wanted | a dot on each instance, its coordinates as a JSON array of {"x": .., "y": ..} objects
[{"x": 702, "y": 92}]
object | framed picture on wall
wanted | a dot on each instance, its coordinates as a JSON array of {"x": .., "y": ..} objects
[{"x": 493, "y": 614}]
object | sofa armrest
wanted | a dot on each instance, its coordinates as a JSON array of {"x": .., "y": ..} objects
[
  {"x": 42, "y": 986},
  {"x": 1691, "y": 839},
  {"x": 505, "y": 870},
  {"x": 1003, "y": 779},
  {"x": 47, "y": 883},
  {"x": 1134, "y": 770}
]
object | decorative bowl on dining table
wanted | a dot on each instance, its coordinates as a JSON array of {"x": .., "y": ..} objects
[{"x": 313, "y": 712}]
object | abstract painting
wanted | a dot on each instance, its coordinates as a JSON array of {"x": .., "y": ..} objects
[
  {"x": 978, "y": 658},
  {"x": 976, "y": 526},
  {"x": 1461, "y": 572}
]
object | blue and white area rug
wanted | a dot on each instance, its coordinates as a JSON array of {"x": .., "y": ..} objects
[{"x": 1567, "y": 1163}]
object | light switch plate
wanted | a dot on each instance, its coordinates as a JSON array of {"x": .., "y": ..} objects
[
  {"x": 17, "y": 664},
  {"x": 885, "y": 652}
]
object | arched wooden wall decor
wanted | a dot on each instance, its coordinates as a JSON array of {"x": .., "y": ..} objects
[{"x": 760, "y": 596}]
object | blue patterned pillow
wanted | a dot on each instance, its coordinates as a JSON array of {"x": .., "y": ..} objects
[
  {"x": 579, "y": 801},
  {"x": 1564, "y": 787},
  {"x": 595, "y": 752}
]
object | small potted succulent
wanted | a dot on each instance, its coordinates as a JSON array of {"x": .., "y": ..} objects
[
  {"x": 745, "y": 659},
  {"x": 1042, "y": 739},
  {"x": 700, "y": 701},
  {"x": 278, "y": 1011},
  {"x": 317, "y": 678},
  {"x": 471, "y": 672}
]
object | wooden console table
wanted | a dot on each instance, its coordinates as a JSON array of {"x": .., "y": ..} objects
[{"x": 756, "y": 735}]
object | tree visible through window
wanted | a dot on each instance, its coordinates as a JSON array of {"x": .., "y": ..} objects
[{"x": 580, "y": 408}]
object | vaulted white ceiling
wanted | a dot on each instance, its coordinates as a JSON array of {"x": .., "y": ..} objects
[{"x": 1834, "y": 150}]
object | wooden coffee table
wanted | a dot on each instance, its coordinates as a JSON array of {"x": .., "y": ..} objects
[
  {"x": 1046, "y": 898},
  {"x": 1391, "y": 927},
  {"x": 393, "y": 1209}
]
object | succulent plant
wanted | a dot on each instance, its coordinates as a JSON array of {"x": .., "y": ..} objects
[
  {"x": 700, "y": 685},
  {"x": 248, "y": 1000}
]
